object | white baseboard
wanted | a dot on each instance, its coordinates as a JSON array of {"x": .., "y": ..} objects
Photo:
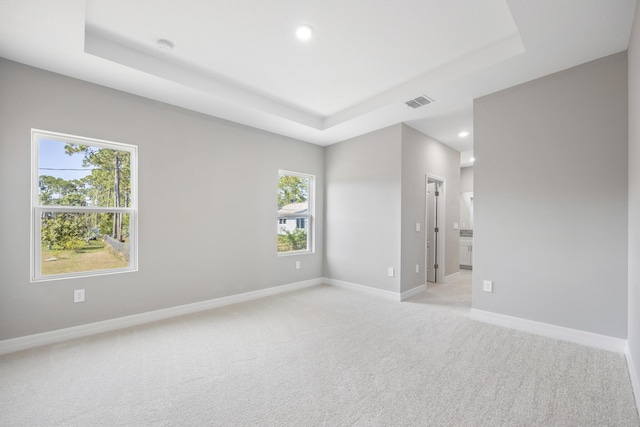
[
  {"x": 452, "y": 276},
  {"x": 36, "y": 340},
  {"x": 374, "y": 291},
  {"x": 634, "y": 374},
  {"x": 590, "y": 339},
  {"x": 411, "y": 292}
]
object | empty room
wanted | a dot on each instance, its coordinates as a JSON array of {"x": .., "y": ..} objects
[{"x": 281, "y": 213}]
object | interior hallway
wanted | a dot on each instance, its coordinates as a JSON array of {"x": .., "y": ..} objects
[{"x": 455, "y": 294}]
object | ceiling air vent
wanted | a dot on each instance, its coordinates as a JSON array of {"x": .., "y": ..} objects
[{"x": 419, "y": 101}]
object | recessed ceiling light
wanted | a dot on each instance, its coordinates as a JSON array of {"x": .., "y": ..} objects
[
  {"x": 463, "y": 134},
  {"x": 165, "y": 45},
  {"x": 304, "y": 32}
]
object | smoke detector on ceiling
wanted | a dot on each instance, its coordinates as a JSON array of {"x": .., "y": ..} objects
[
  {"x": 419, "y": 101},
  {"x": 165, "y": 45}
]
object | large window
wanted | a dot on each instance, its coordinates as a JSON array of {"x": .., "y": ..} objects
[
  {"x": 83, "y": 206},
  {"x": 295, "y": 213}
]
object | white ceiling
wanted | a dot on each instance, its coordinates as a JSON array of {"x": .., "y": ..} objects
[{"x": 240, "y": 60}]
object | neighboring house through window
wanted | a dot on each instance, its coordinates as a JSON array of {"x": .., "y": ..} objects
[
  {"x": 295, "y": 208},
  {"x": 83, "y": 206}
]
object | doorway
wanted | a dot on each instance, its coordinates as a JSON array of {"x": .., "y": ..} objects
[{"x": 435, "y": 229}]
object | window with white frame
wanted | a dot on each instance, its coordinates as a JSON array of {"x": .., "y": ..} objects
[
  {"x": 295, "y": 212},
  {"x": 84, "y": 206}
]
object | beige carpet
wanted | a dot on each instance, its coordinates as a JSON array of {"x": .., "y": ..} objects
[{"x": 319, "y": 356}]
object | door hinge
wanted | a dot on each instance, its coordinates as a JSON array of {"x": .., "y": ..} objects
[
  {"x": 435, "y": 266},
  {"x": 437, "y": 193},
  {"x": 436, "y": 229}
]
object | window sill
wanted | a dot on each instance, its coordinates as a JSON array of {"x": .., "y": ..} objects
[{"x": 292, "y": 253}]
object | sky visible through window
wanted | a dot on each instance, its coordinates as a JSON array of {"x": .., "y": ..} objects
[{"x": 54, "y": 162}]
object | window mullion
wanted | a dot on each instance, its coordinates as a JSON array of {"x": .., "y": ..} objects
[{"x": 87, "y": 209}]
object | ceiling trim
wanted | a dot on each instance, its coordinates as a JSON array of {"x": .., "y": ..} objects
[
  {"x": 107, "y": 48},
  {"x": 433, "y": 80},
  {"x": 159, "y": 64}
]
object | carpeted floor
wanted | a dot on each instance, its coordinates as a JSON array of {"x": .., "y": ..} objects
[{"x": 319, "y": 356}]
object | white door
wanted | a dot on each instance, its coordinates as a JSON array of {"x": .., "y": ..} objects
[{"x": 432, "y": 231}]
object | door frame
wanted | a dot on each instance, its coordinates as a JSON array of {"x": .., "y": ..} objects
[{"x": 442, "y": 229}]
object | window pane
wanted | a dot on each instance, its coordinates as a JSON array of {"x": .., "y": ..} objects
[
  {"x": 293, "y": 194},
  {"x": 83, "y": 175},
  {"x": 83, "y": 206},
  {"x": 74, "y": 242},
  {"x": 293, "y": 234}
]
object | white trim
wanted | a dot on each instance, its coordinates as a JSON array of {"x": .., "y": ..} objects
[
  {"x": 411, "y": 292},
  {"x": 451, "y": 277},
  {"x": 294, "y": 253},
  {"x": 395, "y": 296},
  {"x": 633, "y": 374},
  {"x": 36, "y": 340},
  {"x": 590, "y": 339}
]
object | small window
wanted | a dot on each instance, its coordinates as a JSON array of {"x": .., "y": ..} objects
[
  {"x": 295, "y": 212},
  {"x": 83, "y": 206}
]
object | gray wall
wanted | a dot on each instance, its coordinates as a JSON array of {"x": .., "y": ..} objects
[
  {"x": 466, "y": 179},
  {"x": 634, "y": 201},
  {"x": 422, "y": 155},
  {"x": 551, "y": 199},
  {"x": 207, "y": 203},
  {"x": 375, "y": 194},
  {"x": 363, "y": 185}
]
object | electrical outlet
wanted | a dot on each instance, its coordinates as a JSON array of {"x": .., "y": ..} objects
[
  {"x": 487, "y": 285},
  {"x": 297, "y": 265},
  {"x": 78, "y": 295},
  {"x": 417, "y": 226},
  {"x": 390, "y": 272}
]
